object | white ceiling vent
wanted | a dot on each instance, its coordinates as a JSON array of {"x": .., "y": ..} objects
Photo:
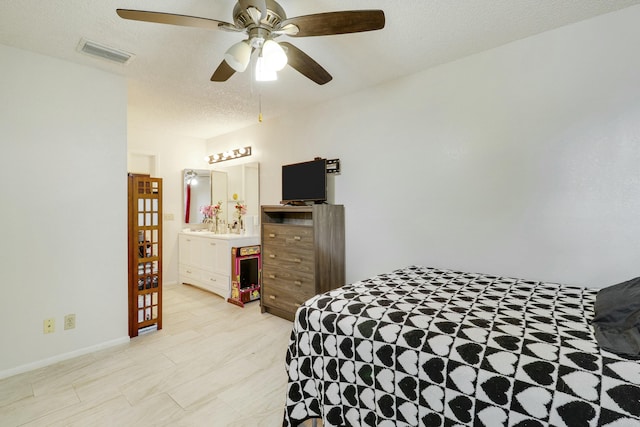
[{"x": 104, "y": 52}]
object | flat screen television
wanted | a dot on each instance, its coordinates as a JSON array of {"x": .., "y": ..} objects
[{"x": 304, "y": 182}]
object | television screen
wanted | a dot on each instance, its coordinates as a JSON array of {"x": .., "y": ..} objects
[{"x": 304, "y": 182}]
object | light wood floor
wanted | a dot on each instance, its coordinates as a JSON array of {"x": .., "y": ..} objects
[{"x": 212, "y": 364}]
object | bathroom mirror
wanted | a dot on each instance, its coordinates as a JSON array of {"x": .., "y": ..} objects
[
  {"x": 197, "y": 193},
  {"x": 237, "y": 184},
  {"x": 220, "y": 185}
]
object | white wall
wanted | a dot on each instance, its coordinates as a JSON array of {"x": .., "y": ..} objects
[
  {"x": 174, "y": 153},
  {"x": 520, "y": 161},
  {"x": 63, "y": 193}
]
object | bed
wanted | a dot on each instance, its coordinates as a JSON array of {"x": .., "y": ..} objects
[{"x": 434, "y": 347}]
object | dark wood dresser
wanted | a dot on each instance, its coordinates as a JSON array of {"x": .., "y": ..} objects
[{"x": 303, "y": 253}]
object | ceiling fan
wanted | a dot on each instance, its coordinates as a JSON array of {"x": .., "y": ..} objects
[{"x": 263, "y": 21}]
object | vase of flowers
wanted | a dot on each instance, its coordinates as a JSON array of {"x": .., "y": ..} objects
[
  {"x": 241, "y": 210},
  {"x": 211, "y": 215}
]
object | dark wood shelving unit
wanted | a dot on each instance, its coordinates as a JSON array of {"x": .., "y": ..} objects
[{"x": 145, "y": 253}]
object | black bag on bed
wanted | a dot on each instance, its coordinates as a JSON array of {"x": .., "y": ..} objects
[{"x": 616, "y": 321}]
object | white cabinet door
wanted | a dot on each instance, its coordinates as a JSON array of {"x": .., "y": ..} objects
[
  {"x": 187, "y": 249},
  {"x": 217, "y": 254}
]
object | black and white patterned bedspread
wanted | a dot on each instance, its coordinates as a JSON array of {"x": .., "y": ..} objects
[{"x": 431, "y": 347}]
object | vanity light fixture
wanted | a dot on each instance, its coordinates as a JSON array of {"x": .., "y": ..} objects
[{"x": 229, "y": 155}]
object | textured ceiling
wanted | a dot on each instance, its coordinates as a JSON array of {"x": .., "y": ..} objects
[{"x": 168, "y": 80}]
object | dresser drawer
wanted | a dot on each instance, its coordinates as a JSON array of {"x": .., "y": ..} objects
[
  {"x": 286, "y": 258},
  {"x": 285, "y": 297},
  {"x": 288, "y": 278},
  {"x": 288, "y": 236}
]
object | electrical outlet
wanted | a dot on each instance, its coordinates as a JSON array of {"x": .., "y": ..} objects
[
  {"x": 168, "y": 217},
  {"x": 49, "y": 326},
  {"x": 69, "y": 321}
]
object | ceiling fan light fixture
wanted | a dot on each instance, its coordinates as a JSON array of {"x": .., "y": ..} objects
[
  {"x": 263, "y": 20},
  {"x": 263, "y": 72},
  {"x": 238, "y": 56},
  {"x": 274, "y": 55}
]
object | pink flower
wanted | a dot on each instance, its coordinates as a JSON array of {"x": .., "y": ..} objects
[
  {"x": 241, "y": 209},
  {"x": 210, "y": 211}
]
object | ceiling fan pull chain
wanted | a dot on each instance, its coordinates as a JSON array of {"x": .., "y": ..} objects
[{"x": 260, "y": 107}]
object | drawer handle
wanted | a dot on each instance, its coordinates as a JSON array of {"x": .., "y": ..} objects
[
  {"x": 212, "y": 244},
  {"x": 297, "y": 305},
  {"x": 272, "y": 296},
  {"x": 296, "y": 238},
  {"x": 297, "y": 260},
  {"x": 297, "y": 282},
  {"x": 272, "y": 276},
  {"x": 272, "y": 235},
  {"x": 211, "y": 279},
  {"x": 189, "y": 271},
  {"x": 272, "y": 255}
]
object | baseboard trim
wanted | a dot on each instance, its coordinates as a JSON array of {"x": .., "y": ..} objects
[{"x": 60, "y": 357}]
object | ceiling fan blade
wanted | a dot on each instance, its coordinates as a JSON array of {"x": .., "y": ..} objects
[
  {"x": 262, "y": 6},
  {"x": 173, "y": 19},
  {"x": 223, "y": 72},
  {"x": 305, "y": 65},
  {"x": 348, "y": 21}
]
